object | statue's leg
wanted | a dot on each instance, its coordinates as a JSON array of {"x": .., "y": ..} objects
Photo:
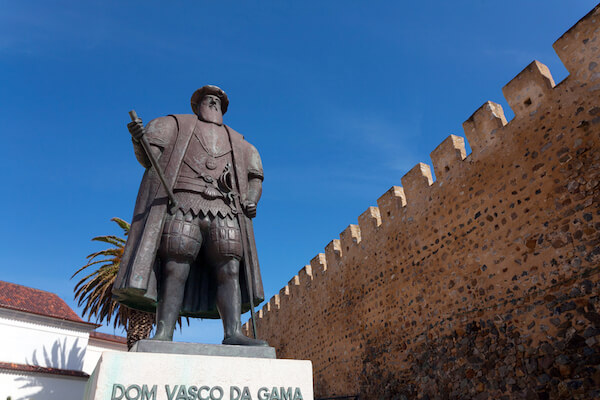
[
  {"x": 174, "y": 275},
  {"x": 225, "y": 252},
  {"x": 180, "y": 243},
  {"x": 229, "y": 296}
]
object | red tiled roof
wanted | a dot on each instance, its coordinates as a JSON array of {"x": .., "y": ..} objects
[
  {"x": 108, "y": 337},
  {"x": 42, "y": 370},
  {"x": 35, "y": 301}
]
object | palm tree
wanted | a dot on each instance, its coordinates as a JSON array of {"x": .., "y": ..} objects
[{"x": 94, "y": 291}]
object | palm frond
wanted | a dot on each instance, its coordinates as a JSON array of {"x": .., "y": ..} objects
[
  {"x": 110, "y": 239},
  {"x": 107, "y": 252},
  {"x": 94, "y": 290},
  {"x": 108, "y": 263},
  {"x": 123, "y": 224}
]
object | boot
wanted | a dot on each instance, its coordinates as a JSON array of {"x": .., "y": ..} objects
[
  {"x": 166, "y": 318},
  {"x": 240, "y": 339},
  {"x": 234, "y": 336}
]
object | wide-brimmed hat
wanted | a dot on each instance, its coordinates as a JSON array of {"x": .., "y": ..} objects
[{"x": 210, "y": 89}]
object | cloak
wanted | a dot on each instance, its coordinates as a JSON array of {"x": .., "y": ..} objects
[{"x": 139, "y": 273}]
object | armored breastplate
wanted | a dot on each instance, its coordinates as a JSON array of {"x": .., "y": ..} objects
[{"x": 205, "y": 178}]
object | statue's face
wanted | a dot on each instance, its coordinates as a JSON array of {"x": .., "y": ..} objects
[
  {"x": 211, "y": 101},
  {"x": 210, "y": 109}
]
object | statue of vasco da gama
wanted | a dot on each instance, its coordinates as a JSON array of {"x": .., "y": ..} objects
[{"x": 196, "y": 259}]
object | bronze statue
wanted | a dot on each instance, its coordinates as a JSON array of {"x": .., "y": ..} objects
[{"x": 191, "y": 249}]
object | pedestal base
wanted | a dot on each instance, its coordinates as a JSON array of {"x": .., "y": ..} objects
[
  {"x": 155, "y": 376},
  {"x": 202, "y": 349}
]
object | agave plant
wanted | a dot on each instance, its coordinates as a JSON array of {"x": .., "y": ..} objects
[{"x": 94, "y": 291}]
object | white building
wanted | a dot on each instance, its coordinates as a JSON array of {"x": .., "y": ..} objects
[{"x": 46, "y": 350}]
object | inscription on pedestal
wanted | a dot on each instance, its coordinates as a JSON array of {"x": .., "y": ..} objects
[
  {"x": 203, "y": 392},
  {"x": 152, "y": 376}
]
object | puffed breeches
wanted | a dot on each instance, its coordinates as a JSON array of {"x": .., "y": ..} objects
[{"x": 186, "y": 235}]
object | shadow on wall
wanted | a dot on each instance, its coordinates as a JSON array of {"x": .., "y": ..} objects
[{"x": 60, "y": 356}]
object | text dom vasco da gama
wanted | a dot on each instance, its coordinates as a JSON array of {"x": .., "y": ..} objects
[{"x": 192, "y": 392}]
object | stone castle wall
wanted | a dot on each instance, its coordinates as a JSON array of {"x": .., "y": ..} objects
[{"x": 482, "y": 284}]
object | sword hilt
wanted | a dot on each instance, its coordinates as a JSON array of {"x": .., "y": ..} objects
[{"x": 133, "y": 115}]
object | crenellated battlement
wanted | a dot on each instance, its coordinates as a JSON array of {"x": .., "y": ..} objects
[
  {"x": 450, "y": 152},
  {"x": 319, "y": 264},
  {"x": 481, "y": 127},
  {"x": 368, "y": 222},
  {"x": 528, "y": 90},
  {"x": 578, "y": 49},
  {"x": 391, "y": 203},
  {"x": 496, "y": 230}
]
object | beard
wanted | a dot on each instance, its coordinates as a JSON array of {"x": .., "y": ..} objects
[{"x": 210, "y": 113}]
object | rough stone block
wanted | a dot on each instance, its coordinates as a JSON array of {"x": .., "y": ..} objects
[
  {"x": 295, "y": 281},
  {"x": 305, "y": 274},
  {"x": 284, "y": 291},
  {"x": 369, "y": 221},
  {"x": 416, "y": 182},
  {"x": 579, "y": 48},
  {"x": 391, "y": 203},
  {"x": 333, "y": 252},
  {"x": 350, "y": 236},
  {"x": 293, "y": 285},
  {"x": 449, "y": 152},
  {"x": 482, "y": 126},
  {"x": 275, "y": 304},
  {"x": 319, "y": 264},
  {"x": 528, "y": 90}
]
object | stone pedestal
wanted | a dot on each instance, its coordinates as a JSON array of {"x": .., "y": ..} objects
[
  {"x": 202, "y": 349},
  {"x": 210, "y": 372}
]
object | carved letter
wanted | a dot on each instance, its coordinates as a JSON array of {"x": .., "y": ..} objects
[
  {"x": 192, "y": 392},
  {"x": 263, "y": 393},
  {"x": 200, "y": 393},
  {"x": 298, "y": 394},
  {"x": 246, "y": 394},
  {"x": 148, "y": 395},
  {"x": 286, "y": 394},
  {"x": 114, "y": 392},
  {"x": 128, "y": 395},
  {"x": 274, "y": 394},
  {"x": 171, "y": 395},
  {"x": 218, "y": 389},
  {"x": 182, "y": 394},
  {"x": 234, "y": 391}
]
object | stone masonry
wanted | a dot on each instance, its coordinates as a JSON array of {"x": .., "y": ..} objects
[{"x": 482, "y": 284}]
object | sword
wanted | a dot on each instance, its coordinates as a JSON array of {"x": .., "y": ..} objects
[
  {"x": 244, "y": 229},
  {"x": 146, "y": 145},
  {"x": 246, "y": 250}
]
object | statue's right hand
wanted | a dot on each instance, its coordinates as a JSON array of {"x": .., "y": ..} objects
[{"x": 136, "y": 128}]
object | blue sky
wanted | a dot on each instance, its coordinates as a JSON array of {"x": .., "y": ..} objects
[{"x": 341, "y": 98}]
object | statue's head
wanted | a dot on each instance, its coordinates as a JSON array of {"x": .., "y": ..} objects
[{"x": 210, "y": 103}]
